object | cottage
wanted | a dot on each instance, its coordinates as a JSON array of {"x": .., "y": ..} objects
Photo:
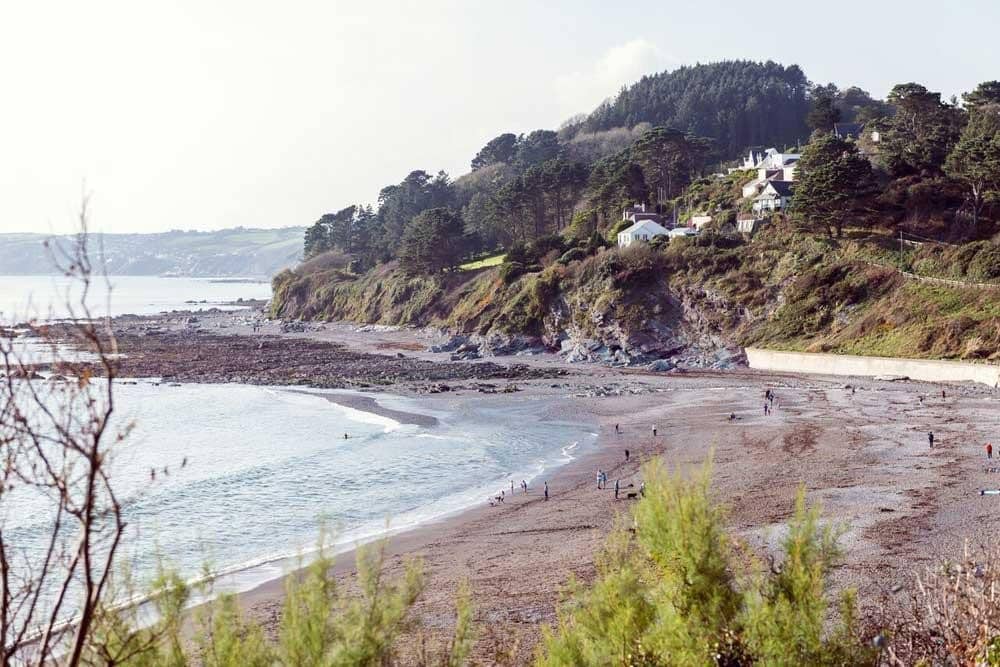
[
  {"x": 680, "y": 232},
  {"x": 753, "y": 187},
  {"x": 774, "y": 197},
  {"x": 638, "y": 213},
  {"x": 644, "y": 230}
]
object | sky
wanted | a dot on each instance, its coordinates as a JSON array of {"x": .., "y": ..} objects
[{"x": 206, "y": 114}]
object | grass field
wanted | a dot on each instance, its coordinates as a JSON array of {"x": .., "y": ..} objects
[{"x": 484, "y": 263}]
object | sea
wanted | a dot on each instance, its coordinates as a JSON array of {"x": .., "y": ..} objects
[
  {"x": 240, "y": 479},
  {"x": 50, "y": 297}
]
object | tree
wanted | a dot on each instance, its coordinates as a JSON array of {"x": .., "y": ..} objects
[
  {"x": 920, "y": 133},
  {"x": 832, "y": 178},
  {"x": 399, "y": 204},
  {"x": 538, "y": 147},
  {"x": 676, "y": 592},
  {"x": 857, "y": 106},
  {"x": 975, "y": 160},
  {"x": 432, "y": 242},
  {"x": 988, "y": 92},
  {"x": 736, "y": 103},
  {"x": 669, "y": 158},
  {"x": 824, "y": 114},
  {"x": 499, "y": 150}
]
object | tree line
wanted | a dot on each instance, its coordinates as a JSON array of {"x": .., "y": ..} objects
[
  {"x": 919, "y": 136},
  {"x": 576, "y": 180}
]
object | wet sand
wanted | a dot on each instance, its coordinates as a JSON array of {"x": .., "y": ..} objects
[{"x": 862, "y": 455}]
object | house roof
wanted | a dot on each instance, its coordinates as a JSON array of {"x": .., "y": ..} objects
[
  {"x": 646, "y": 227},
  {"x": 844, "y": 130},
  {"x": 780, "y": 188}
]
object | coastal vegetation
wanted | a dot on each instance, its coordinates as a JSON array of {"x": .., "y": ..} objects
[{"x": 910, "y": 198}]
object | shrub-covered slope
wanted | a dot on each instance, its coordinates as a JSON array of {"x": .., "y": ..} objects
[{"x": 691, "y": 300}]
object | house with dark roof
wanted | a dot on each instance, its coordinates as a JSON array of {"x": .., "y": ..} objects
[{"x": 775, "y": 196}]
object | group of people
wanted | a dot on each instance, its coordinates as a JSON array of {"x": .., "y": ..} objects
[{"x": 502, "y": 496}]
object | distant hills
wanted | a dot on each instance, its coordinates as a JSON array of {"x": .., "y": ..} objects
[{"x": 228, "y": 252}]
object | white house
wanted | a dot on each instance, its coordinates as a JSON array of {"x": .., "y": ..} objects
[
  {"x": 638, "y": 213},
  {"x": 774, "y": 197},
  {"x": 752, "y": 188},
  {"x": 644, "y": 230},
  {"x": 775, "y": 160},
  {"x": 680, "y": 232}
]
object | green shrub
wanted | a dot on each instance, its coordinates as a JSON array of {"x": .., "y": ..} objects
[
  {"x": 572, "y": 255},
  {"x": 318, "y": 626},
  {"x": 511, "y": 271},
  {"x": 675, "y": 593}
]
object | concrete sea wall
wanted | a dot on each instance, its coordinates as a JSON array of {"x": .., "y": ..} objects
[{"x": 841, "y": 364}]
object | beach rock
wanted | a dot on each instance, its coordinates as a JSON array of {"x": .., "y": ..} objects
[
  {"x": 451, "y": 344},
  {"x": 661, "y": 365}
]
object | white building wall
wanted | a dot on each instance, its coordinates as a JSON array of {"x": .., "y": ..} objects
[{"x": 928, "y": 370}]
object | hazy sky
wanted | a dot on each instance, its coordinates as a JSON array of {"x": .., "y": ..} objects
[{"x": 202, "y": 114}]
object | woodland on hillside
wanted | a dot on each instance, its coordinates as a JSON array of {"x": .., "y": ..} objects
[{"x": 934, "y": 168}]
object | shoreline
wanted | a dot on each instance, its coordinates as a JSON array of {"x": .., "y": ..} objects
[{"x": 858, "y": 445}]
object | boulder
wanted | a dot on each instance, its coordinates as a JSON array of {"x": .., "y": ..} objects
[{"x": 661, "y": 365}]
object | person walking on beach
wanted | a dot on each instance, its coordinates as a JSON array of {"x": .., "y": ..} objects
[
  {"x": 616, "y": 489},
  {"x": 511, "y": 487},
  {"x": 600, "y": 477},
  {"x": 524, "y": 486},
  {"x": 930, "y": 438},
  {"x": 654, "y": 430},
  {"x": 546, "y": 490},
  {"x": 989, "y": 450},
  {"x": 617, "y": 430},
  {"x": 626, "y": 456}
]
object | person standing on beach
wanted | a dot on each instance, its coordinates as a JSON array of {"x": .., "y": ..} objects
[
  {"x": 600, "y": 477},
  {"x": 617, "y": 430},
  {"x": 930, "y": 438},
  {"x": 616, "y": 489},
  {"x": 626, "y": 456},
  {"x": 511, "y": 487},
  {"x": 654, "y": 430},
  {"x": 546, "y": 490},
  {"x": 989, "y": 450}
]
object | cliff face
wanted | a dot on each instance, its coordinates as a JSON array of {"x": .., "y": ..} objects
[
  {"x": 691, "y": 303},
  {"x": 615, "y": 307}
]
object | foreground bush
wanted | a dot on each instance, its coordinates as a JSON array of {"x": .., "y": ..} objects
[
  {"x": 674, "y": 591},
  {"x": 948, "y": 615},
  {"x": 319, "y": 625}
]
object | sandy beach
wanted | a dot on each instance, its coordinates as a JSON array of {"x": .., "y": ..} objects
[{"x": 859, "y": 446}]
